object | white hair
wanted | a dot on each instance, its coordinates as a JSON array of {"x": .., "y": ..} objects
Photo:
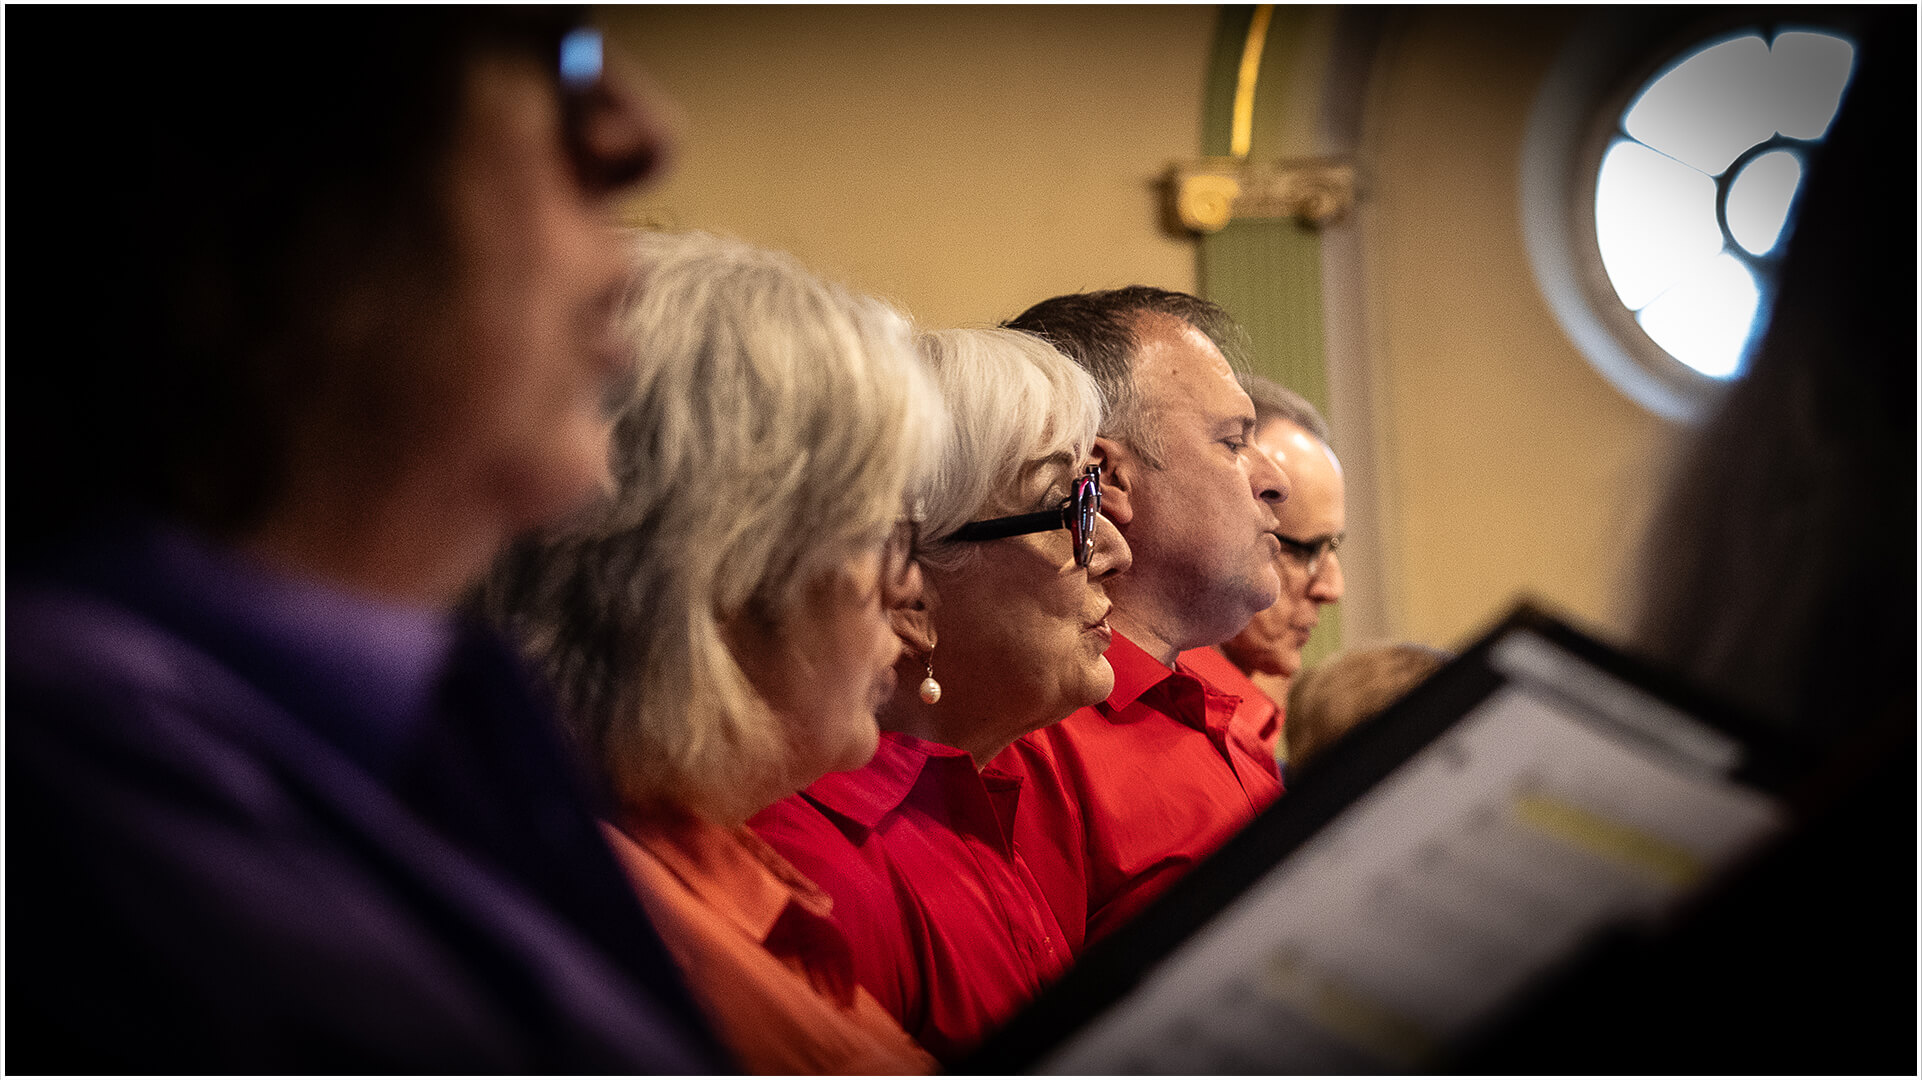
[{"x": 1014, "y": 402}]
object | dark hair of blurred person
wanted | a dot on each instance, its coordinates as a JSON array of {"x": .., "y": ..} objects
[
  {"x": 232, "y": 233},
  {"x": 321, "y": 302},
  {"x": 1780, "y": 573}
]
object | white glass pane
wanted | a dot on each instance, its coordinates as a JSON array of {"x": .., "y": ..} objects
[
  {"x": 1811, "y": 71},
  {"x": 1654, "y": 221},
  {"x": 1759, "y": 198},
  {"x": 1710, "y": 107},
  {"x": 1704, "y": 321}
]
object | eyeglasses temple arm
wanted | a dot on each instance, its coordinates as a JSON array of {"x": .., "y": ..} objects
[{"x": 998, "y": 528}]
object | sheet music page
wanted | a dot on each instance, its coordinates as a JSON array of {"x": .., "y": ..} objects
[{"x": 1533, "y": 822}]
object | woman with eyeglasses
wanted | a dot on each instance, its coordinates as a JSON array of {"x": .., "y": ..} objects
[
  {"x": 951, "y": 931},
  {"x": 719, "y": 626}
]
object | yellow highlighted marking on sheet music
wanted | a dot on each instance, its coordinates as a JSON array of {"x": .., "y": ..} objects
[
  {"x": 1343, "y": 1010},
  {"x": 1610, "y": 839}
]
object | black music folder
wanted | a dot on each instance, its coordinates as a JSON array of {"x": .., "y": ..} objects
[{"x": 1541, "y": 795}]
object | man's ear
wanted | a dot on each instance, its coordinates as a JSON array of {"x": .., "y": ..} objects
[
  {"x": 914, "y": 623},
  {"x": 1119, "y": 470}
]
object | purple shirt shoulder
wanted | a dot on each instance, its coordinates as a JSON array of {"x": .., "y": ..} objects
[{"x": 260, "y": 824}]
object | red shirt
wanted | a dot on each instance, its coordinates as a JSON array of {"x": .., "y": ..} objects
[
  {"x": 1259, "y": 718},
  {"x": 950, "y": 931},
  {"x": 1126, "y": 795}
]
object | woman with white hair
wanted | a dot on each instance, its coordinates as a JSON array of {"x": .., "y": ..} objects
[
  {"x": 718, "y": 627},
  {"x": 951, "y": 931}
]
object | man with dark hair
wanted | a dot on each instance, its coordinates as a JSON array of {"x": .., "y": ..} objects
[
  {"x": 1128, "y": 794},
  {"x": 335, "y": 287}
]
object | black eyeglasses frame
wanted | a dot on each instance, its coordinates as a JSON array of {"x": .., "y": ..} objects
[{"x": 1076, "y": 514}]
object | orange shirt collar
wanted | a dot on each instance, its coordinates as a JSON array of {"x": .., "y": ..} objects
[{"x": 743, "y": 879}]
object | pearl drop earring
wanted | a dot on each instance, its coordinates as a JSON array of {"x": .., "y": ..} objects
[{"x": 930, "y": 690}]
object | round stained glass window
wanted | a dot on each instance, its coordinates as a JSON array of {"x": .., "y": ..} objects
[{"x": 1656, "y": 234}]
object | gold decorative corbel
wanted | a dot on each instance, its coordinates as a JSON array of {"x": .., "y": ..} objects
[
  {"x": 1209, "y": 193},
  {"x": 1205, "y": 195}
]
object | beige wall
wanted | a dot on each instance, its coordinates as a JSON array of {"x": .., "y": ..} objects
[
  {"x": 1509, "y": 465},
  {"x": 966, "y": 161},
  {"x": 962, "y": 161}
]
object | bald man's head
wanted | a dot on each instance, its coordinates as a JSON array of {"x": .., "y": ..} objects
[{"x": 1311, "y": 525}]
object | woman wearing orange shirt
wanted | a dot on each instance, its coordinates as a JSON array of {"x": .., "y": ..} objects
[{"x": 718, "y": 627}]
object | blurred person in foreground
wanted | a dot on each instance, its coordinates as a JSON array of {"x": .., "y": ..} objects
[
  {"x": 1779, "y": 572},
  {"x": 1261, "y": 662},
  {"x": 1135, "y": 789},
  {"x": 719, "y": 626},
  {"x": 950, "y": 929},
  {"x": 335, "y": 307}
]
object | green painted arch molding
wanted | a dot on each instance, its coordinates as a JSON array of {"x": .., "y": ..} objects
[{"x": 1266, "y": 273}]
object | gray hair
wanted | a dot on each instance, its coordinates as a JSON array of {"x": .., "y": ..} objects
[
  {"x": 775, "y": 425},
  {"x": 1274, "y": 401},
  {"x": 1014, "y": 402}
]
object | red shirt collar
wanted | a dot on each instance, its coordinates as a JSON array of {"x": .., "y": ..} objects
[
  {"x": 870, "y": 793},
  {"x": 1135, "y": 672},
  {"x": 1176, "y": 692}
]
